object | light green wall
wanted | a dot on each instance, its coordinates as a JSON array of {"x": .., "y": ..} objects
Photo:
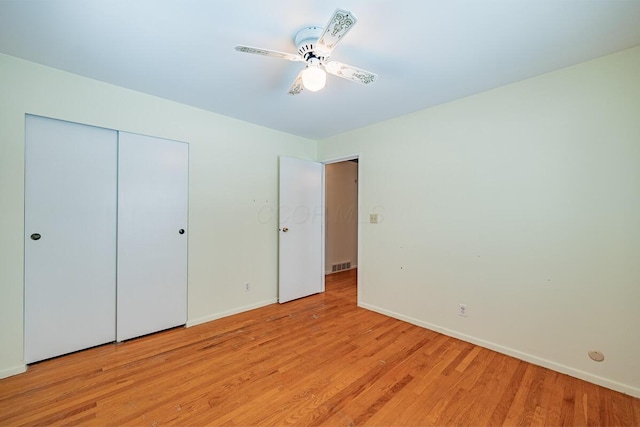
[
  {"x": 232, "y": 198},
  {"x": 523, "y": 203}
]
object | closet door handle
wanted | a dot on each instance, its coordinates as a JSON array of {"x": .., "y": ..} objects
[
  {"x": 181, "y": 231},
  {"x": 35, "y": 236}
]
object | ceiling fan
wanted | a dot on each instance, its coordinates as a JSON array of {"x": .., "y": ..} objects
[{"x": 315, "y": 45}]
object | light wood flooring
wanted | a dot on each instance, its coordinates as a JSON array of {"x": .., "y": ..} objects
[{"x": 316, "y": 361}]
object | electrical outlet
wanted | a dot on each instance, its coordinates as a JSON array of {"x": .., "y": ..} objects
[
  {"x": 247, "y": 287},
  {"x": 462, "y": 310},
  {"x": 373, "y": 218}
]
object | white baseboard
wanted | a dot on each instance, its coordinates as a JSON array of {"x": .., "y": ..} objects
[
  {"x": 220, "y": 315},
  {"x": 604, "y": 382},
  {"x": 13, "y": 371},
  {"x": 329, "y": 272}
]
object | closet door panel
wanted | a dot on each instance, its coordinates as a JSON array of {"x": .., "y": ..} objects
[
  {"x": 70, "y": 237},
  {"x": 152, "y": 234}
]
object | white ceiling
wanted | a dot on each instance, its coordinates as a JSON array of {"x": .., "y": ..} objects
[{"x": 426, "y": 52}]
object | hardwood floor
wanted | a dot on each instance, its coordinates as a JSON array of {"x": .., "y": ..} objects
[{"x": 315, "y": 361}]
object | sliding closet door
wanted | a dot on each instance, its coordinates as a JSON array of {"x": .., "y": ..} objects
[
  {"x": 152, "y": 234},
  {"x": 70, "y": 237}
]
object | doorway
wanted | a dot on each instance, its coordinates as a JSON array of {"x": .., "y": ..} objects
[{"x": 341, "y": 221}]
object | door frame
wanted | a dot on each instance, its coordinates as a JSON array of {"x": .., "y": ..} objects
[{"x": 340, "y": 159}]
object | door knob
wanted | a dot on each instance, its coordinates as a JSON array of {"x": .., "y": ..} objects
[
  {"x": 285, "y": 229},
  {"x": 181, "y": 231},
  {"x": 35, "y": 236}
]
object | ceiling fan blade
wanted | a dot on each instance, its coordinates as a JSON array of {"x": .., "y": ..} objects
[
  {"x": 271, "y": 53},
  {"x": 348, "y": 72},
  {"x": 339, "y": 25},
  {"x": 297, "y": 86}
]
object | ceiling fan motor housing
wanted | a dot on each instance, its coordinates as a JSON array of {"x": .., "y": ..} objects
[{"x": 305, "y": 41}]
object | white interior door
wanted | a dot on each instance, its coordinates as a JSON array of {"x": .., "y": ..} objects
[
  {"x": 152, "y": 234},
  {"x": 301, "y": 219},
  {"x": 70, "y": 237}
]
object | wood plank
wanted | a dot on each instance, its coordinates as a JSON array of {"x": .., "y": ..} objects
[{"x": 320, "y": 360}]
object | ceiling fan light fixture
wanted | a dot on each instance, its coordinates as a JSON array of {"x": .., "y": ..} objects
[
  {"x": 315, "y": 45},
  {"x": 314, "y": 78}
]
